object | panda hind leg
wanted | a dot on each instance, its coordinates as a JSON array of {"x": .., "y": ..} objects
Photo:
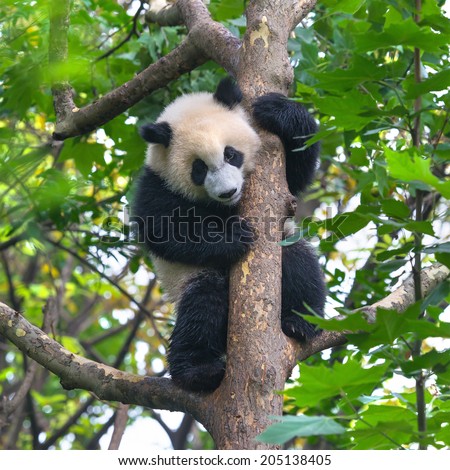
[
  {"x": 198, "y": 343},
  {"x": 303, "y": 286}
]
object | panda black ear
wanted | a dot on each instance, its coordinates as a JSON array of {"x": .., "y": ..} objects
[
  {"x": 160, "y": 133},
  {"x": 228, "y": 93}
]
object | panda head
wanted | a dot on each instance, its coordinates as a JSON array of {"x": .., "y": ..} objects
[{"x": 203, "y": 146}]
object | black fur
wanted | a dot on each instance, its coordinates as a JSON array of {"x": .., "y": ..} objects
[
  {"x": 160, "y": 133},
  {"x": 228, "y": 93},
  {"x": 198, "y": 342},
  {"x": 212, "y": 236},
  {"x": 199, "y": 172},
  {"x": 292, "y": 123},
  {"x": 184, "y": 231},
  {"x": 302, "y": 286},
  {"x": 233, "y": 156}
]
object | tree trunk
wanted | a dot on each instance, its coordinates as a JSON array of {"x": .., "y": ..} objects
[{"x": 256, "y": 355}]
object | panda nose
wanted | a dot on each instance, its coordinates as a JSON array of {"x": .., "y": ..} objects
[{"x": 228, "y": 194}]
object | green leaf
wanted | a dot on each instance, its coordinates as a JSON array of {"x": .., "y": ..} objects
[
  {"x": 319, "y": 382},
  {"x": 361, "y": 71},
  {"x": 439, "y": 248},
  {"x": 437, "y": 295},
  {"x": 343, "y": 6},
  {"x": 302, "y": 425},
  {"x": 358, "y": 156},
  {"x": 433, "y": 360},
  {"x": 353, "y": 322},
  {"x": 409, "y": 168},
  {"x": 404, "y": 33},
  {"x": 436, "y": 82},
  {"x": 224, "y": 10},
  {"x": 425, "y": 227},
  {"x": 394, "y": 208}
]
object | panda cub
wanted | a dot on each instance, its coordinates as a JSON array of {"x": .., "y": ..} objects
[{"x": 186, "y": 210}]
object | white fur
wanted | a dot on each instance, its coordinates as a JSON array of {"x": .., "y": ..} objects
[
  {"x": 202, "y": 128},
  {"x": 223, "y": 180},
  {"x": 173, "y": 276},
  {"x": 290, "y": 227}
]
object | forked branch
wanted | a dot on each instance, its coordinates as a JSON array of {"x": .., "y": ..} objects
[{"x": 207, "y": 39}]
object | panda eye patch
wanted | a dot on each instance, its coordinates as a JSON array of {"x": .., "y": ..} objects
[
  {"x": 233, "y": 156},
  {"x": 199, "y": 171}
]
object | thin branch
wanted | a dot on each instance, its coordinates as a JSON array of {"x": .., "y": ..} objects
[
  {"x": 10, "y": 406},
  {"x": 183, "y": 59},
  {"x": 93, "y": 444},
  {"x": 417, "y": 267},
  {"x": 15, "y": 301},
  {"x": 120, "y": 424},
  {"x": 398, "y": 300},
  {"x": 103, "y": 276},
  {"x": 67, "y": 425},
  {"x": 133, "y": 32},
  {"x": 58, "y": 52},
  {"x": 11, "y": 242}
]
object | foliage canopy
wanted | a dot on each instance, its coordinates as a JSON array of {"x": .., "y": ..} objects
[{"x": 63, "y": 212}]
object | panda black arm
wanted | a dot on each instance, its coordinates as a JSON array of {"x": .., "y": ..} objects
[
  {"x": 292, "y": 123},
  {"x": 179, "y": 230}
]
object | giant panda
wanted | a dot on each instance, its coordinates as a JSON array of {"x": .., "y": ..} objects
[{"x": 186, "y": 209}]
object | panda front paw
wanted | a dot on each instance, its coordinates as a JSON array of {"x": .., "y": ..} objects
[
  {"x": 243, "y": 232},
  {"x": 271, "y": 110},
  {"x": 240, "y": 237}
]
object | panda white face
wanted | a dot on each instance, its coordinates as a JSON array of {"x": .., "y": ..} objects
[
  {"x": 223, "y": 182},
  {"x": 202, "y": 149}
]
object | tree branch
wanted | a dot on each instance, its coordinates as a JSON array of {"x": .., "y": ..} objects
[
  {"x": 10, "y": 406},
  {"x": 210, "y": 37},
  {"x": 120, "y": 424},
  {"x": 133, "y": 32},
  {"x": 80, "y": 121},
  {"x": 11, "y": 242},
  {"x": 398, "y": 300},
  {"x": 106, "y": 382},
  {"x": 206, "y": 39},
  {"x": 58, "y": 51}
]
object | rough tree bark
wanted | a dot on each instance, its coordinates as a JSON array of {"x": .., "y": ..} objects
[
  {"x": 260, "y": 357},
  {"x": 256, "y": 359}
]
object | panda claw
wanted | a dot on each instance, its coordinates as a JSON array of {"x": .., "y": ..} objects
[{"x": 300, "y": 330}]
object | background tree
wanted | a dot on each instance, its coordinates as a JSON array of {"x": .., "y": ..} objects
[{"x": 375, "y": 72}]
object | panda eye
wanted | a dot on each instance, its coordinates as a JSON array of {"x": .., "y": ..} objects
[
  {"x": 199, "y": 171},
  {"x": 233, "y": 156}
]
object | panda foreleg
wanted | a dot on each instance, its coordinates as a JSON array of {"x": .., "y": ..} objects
[
  {"x": 198, "y": 342},
  {"x": 302, "y": 287},
  {"x": 293, "y": 124}
]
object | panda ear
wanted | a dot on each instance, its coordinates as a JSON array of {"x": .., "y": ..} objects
[
  {"x": 159, "y": 133},
  {"x": 228, "y": 93}
]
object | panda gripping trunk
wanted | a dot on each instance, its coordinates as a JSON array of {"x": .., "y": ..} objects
[
  {"x": 186, "y": 212},
  {"x": 293, "y": 124}
]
